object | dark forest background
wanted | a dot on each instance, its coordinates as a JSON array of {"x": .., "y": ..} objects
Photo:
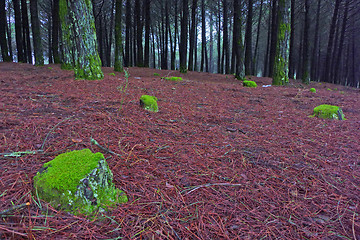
[{"x": 323, "y": 44}]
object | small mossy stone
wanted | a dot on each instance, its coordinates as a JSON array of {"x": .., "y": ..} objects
[
  {"x": 313, "y": 90},
  {"x": 329, "y": 111},
  {"x": 149, "y": 103},
  {"x": 251, "y": 84},
  {"x": 175, "y": 79},
  {"x": 78, "y": 182}
]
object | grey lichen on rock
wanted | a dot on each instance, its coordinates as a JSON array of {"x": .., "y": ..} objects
[
  {"x": 149, "y": 103},
  {"x": 328, "y": 111},
  {"x": 78, "y": 182}
]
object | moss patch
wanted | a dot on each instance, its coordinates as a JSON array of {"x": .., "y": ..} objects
[
  {"x": 313, "y": 90},
  {"x": 149, "y": 103},
  {"x": 112, "y": 74},
  {"x": 175, "y": 79},
  {"x": 328, "y": 111},
  {"x": 249, "y": 84},
  {"x": 78, "y": 182},
  {"x": 156, "y": 74}
]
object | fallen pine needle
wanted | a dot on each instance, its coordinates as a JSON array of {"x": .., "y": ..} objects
[
  {"x": 5, "y": 212},
  {"x": 211, "y": 184}
]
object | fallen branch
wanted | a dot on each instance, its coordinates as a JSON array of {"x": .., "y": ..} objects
[
  {"x": 6, "y": 211},
  {"x": 93, "y": 141},
  {"x": 211, "y": 184}
]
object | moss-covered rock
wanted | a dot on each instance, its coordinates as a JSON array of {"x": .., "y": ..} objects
[
  {"x": 156, "y": 74},
  {"x": 149, "y": 103},
  {"x": 249, "y": 84},
  {"x": 175, "y": 79},
  {"x": 329, "y": 111},
  {"x": 78, "y": 182},
  {"x": 313, "y": 90}
]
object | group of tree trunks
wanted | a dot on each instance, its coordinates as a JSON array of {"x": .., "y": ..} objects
[{"x": 166, "y": 33}]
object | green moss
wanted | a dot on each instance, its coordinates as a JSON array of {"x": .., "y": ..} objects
[
  {"x": 149, "y": 103},
  {"x": 50, "y": 68},
  {"x": 175, "y": 79},
  {"x": 329, "y": 89},
  {"x": 313, "y": 90},
  {"x": 112, "y": 74},
  {"x": 60, "y": 181},
  {"x": 251, "y": 84},
  {"x": 329, "y": 111},
  {"x": 63, "y": 10},
  {"x": 156, "y": 74}
]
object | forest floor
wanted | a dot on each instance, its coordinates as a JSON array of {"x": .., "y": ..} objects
[{"x": 218, "y": 161}]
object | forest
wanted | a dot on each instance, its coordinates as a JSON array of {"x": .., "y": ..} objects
[
  {"x": 207, "y": 36},
  {"x": 210, "y": 157}
]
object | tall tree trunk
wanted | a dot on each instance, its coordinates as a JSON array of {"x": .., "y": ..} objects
[
  {"x": 211, "y": 45},
  {"x": 55, "y": 31},
  {"x": 82, "y": 36},
  {"x": 35, "y": 25},
  {"x": 139, "y": 34},
  {"x": 226, "y": 38},
  {"x": 315, "y": 57},
  {"x": 184, "y": 36},
  {"x": 147, "y": 6},
  {"x": 18, "y": 32},
  {"x": 336, "y": 73},
  {"x": 281, "y": 60},
  {"x": 326, "y": 73},
  {"x": 268, "y": 44},
  {"x": 248, "y": 39},
  {"x": 166, "y": 36},
  {"x": 127, "y": 34},
  {"x": 9, "y": 34},
  {"x": 173, "y": 55},
  {"x": 118, "y": 65},
  {"x": 219, "y": 62},
  {"x": 274, "y": 36},
  {"x": 26, "y": 32},
  {"x": 306, "y": 60},
  {"x": 292, "y": 42},
  {"x": 192, "y": 35},
  {"x": 3, "y": 23},
  {"x": 256, "y": 57},
  {"x": 204, "y": 59},
  {"x": 240, "y": 68}
]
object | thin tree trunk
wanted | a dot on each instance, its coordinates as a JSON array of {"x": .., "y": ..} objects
[
  {"x": 292, "y": 41},
  {"x": 139, "y": 34},
  {"x": 26, "y": 31},
  {"x": 240, "y": 68},
  {"x": 3, "y": 23},
  {"x": 315, "y": 57},
  {"x": 203, "y": 37},
  {"x": 268, "y": 45},
  {"x": 127, "y": 34},
  {"x": 18, "y": 32},
  {"x": 183, "y": 39},
  {"x": 192, "y": 35},
  {"x": 248, "y": 39},
  {"x": 9, "y": 38},
  {"x": 306, "y": 60},
  {"x": 147, "y": 33},
  {"x": 118, "y": 65},
  {"x": 226, "y": 38},
  {"x": 274, "y": 36},
  {"x": 219, "y": 68},
  {"x": 55, "y": 31},
  {"x": 256, "y": 57}
]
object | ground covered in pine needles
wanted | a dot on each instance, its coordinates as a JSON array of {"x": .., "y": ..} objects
[{"x": 218, "y": 161}]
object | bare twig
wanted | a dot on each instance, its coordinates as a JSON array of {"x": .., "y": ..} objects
[
  {"x": 6, "y": 211},
  {"x": 212, "y": 184},
  {"x": 47, "y": 135},
  {"x": 93, "y": 141}
]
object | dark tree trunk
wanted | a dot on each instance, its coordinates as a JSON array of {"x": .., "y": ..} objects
[
  {"x": 326, "y": 73},
  {"x": 192, "y": 35},
  {"x": 268, "y": 44},
  {"x": 256, "y": 57},
  {"x": 315, "y": 57},
  {"x": 18, "y": 32},
  {"x": 211, "y": 45},
  {"x": 204, "y": 59},
  {"x": 184, "y": 36},
  {"x": 166, "y": 36},
  {"x": 127, "y": 34},
  {"x": 147, "y": 33},
  {"x": 55, "y": 31},
  {"x": 26, "y": 32},
  {"x": 139, "y": 34},
  {"x": 118, "y": 65},
  {"x": 226, "y": 38},
  {"x": 173, "y": 51},
  {"x": 49, "y": 27},
  {"x": 281, "y": 60},
  {"x": 292, "y": 41},
  {"x": 35, "y": 24},
  {"x": 219, "y": 62},
  {"x": 306, "y": 61},
  {"x": 239, "y": 49},
  {"x": 9, "y": 38},
  {"x": 248, "y": 39},
  {"x": 3, "y": 43},
  {"x": 274, "y": 36}
]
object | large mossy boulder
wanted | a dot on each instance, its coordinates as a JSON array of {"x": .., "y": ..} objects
[
  {"x": 149, "y": 103},
  {"x": 79, "y": 182},
  {"x": 329, "y": 111}
]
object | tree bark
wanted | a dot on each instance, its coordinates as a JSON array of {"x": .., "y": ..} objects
[
  {"x": 292, "y": 41},
  {"x": 127, "y": 34},
  {"x": 139, "y": 34},
  {"x": 240, "y": 68},
  {"x": 306, "y": 60},
  {"x": 315, "y": 57},
  {"x": 82, "y": 37},
  {"x": 55, "y": 31},
  {"x": 204, "y": 59},
  {"x": 281, "y": 60},
  {"x": 274, "y": 36},
  {"x": 255, "y": 63},
  {"x": 18, "y": 32},
  {"x": 226, "y": 38},
  {"x": 248, "y": 39},
  {"x": 184, "y": 36},
  {"x": 35, "y": 24},
  {"x": 3, "y": 43},
  {"x": 26, "y": 32},
  {"x": 118, "y": 64},
  {"x": 192, "y": 35},
  {"x": 147, "y": 33}
]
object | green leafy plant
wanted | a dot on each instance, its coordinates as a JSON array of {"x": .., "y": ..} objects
[
  {"x": 123, "y": 87},
  {"x": 112, "y": 74}
]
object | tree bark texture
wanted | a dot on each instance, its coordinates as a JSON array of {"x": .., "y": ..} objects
[
  {"x": 118, "y": 64},
  {"x": 281, "y": 61},
  {"x": 248, "y": 39},
  {"x": 4, "y": 47},
  {"x": 240, "y": 67},
  {"x": 35, "y": 25},
  {"x": 183, "y": 38}
]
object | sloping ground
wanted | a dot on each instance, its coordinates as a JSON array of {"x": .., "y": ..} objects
[{"x": 218, "y": 161}]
